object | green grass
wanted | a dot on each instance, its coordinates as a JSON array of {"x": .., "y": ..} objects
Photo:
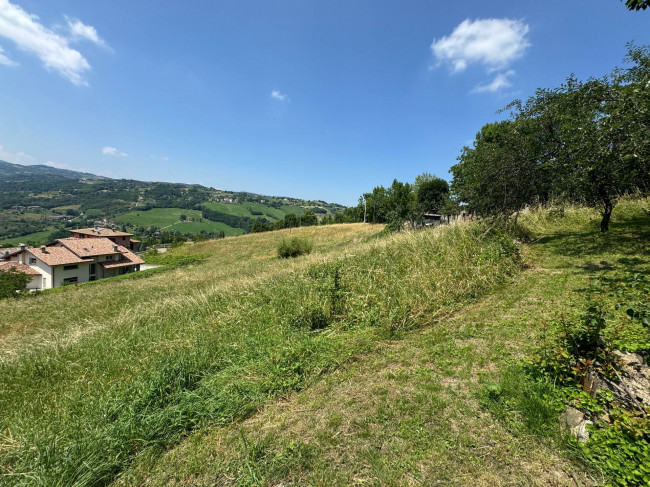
[
  {"x": 365, "y": 362},
  {"x": 421, "y": 411},
  {"x": 170, "y": 219},
  {"x": 246, "y": 209},
  {"x": 89, "y": 388},
  {"x": 37, "y": 237}
]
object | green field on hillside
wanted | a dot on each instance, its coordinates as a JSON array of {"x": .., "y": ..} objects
[
  {"x": 29, "y": 239},
  {"x": 247, "y": 209},
  {"x": 170, "y": 219},
  {"x": 366, "y": 362}
]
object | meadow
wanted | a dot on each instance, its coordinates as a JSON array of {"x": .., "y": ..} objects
[
  {"x": 363, "y": 362},
  {"x": 170, "y": 219}
]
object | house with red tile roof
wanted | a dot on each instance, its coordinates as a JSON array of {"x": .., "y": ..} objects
[
  {"x": 75, "y": 260},
  {"x": 121, "y": 238}
]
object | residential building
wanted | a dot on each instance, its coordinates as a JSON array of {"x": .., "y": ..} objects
[
  {"x": 120, "y": 238},
  {"x": 75, "y": 260}
]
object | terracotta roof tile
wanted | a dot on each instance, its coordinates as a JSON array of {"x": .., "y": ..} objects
[
  {"x": 101, "y": 232},
  {"x": 89, "y": 247},
  {"x": 5, "y": 266},
  {"x": 55, "y": 255},
  {"x": 127, "y": 258}
]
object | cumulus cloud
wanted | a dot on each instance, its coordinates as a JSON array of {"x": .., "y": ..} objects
[
  {"x": 16, "y": 158},
  {"x": 494, "y": 43},
  {"x": 499, "y": 82},
  {"x": 51, "y": 48},
  {"x": 81, "y": 31},
  {"x": 278, "y": 96},
  {"x": 4, "y": 59},
  {"x": 112, "y": 151}
]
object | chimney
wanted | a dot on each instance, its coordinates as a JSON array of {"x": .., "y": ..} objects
[
  {"x": 22, "y": 246},
  {"x": 115, "y": 248},
  {"x": 44, "y": 249}
]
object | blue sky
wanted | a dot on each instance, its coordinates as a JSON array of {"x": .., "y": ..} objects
[{"x": 319, "y": 100}]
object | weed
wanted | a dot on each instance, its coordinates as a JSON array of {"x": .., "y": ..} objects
[{"x": 293, "y": 247}]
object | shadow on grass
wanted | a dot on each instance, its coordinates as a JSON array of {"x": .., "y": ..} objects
[{"x": 629, "y": 238}]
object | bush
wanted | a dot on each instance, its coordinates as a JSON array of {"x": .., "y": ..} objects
[
  {"x": 12, "y": 282},
  {"x": 294, "y": 247}
]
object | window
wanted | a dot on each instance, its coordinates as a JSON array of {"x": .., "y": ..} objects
[
  {"x": 32, "y": 261},
  {"x": 92, "y": 269},
  {"x": 44, "y": 282},
  {"x": 69, "y": 280},
  {"x": 70, "y": 267}
]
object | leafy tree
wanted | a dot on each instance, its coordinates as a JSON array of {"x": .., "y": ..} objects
[
  {"x": 183, "y": 217},
  {"x": 308, "y": 219},
  {"x": 376, "y": 205},
  {"x": 401, "y": 202},
  {"x": 501, "y": 173},
  {"x": 432, "y": 194},
  {"x": 637, "y": 4},
  {"x": 291, "y": 220},
  {"x": 584, "y": 141},
  {"x": 60, "y": 233},
  {"x": 11, "y": 282}
]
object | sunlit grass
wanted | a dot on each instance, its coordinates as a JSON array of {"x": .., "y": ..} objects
[{"x": 95, "y": 377}]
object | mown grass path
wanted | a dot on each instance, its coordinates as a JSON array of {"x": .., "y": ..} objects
[{"x": 409, "y": 413}]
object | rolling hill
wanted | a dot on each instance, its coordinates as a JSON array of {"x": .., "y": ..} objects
[
  {"x": 9, "y": 171},
  {"x": 39, "y": 202}
]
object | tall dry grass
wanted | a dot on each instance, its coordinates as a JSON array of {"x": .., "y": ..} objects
[{"x": 85, "y": 391}]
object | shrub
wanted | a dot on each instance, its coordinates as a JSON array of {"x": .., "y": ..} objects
[
  {"x": 11, "y": 282},
  {"x": 293, "y": 247}
]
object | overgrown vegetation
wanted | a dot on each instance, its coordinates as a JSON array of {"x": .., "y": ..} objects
[
  {"x": 293, "y": 247},
  {"x": 578, "y": 365},
  {"x": 213, "y": 354}
]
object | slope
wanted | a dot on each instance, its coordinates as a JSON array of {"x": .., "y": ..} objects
[
  {"x": 9, "y": 171},
  {"x": 410, "y": 413}
]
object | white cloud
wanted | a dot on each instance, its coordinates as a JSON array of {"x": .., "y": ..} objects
[
  {"x": 500, "y": 81},
  {"x": 81, "y": 31},
  {"x": 4, "y": 60},
  {"x": 494, "y": 43},
  {"x": 112, "y": 151},
  {"x": 52, "y": 49},
  {"x": 57, "y": 165},
  {"x": 278, "y": 96},
  {"x": 16, "y": 158}
]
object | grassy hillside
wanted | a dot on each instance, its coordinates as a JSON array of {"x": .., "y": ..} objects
[
  {"x": 170, "y": 219},
  {"x": 256, "y": 210},
  {"x": 118, "y": 371},
  {"x": 9, "y": 171},
  {"x": 365, "y": 362},
  {"x": 137, "y": 205}
]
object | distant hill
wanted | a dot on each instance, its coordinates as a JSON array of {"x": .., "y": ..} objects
[
  {"x": 39, "y": 203},
  {"x": 9, "y": 171}
]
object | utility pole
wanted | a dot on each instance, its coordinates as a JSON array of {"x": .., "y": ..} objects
[{"x": 364, "y": 208}]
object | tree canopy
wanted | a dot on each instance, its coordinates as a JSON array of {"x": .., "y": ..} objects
[
  {"x": 583, "y": 141},
  {"x": 637, "y": 4}
]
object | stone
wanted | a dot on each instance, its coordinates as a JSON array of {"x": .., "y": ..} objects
[
  {"x": 635, "y": 378},
  {"x": 572, "y": 418},
  {"x": 574, "y": 421},
  {"x": 580, "y": 432}
]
